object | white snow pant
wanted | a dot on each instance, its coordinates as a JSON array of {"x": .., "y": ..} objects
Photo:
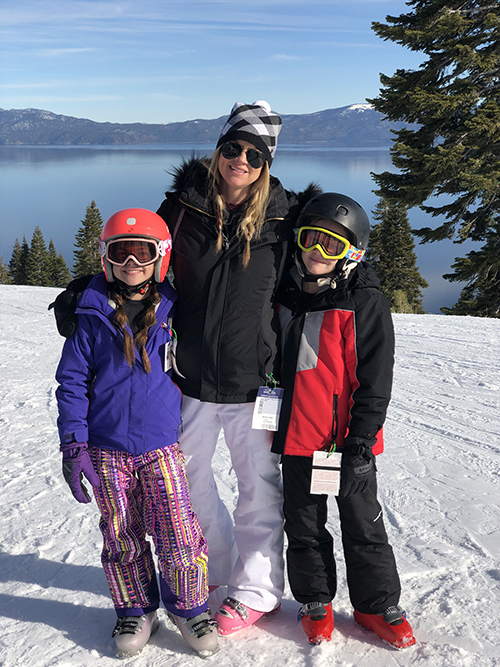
[{"x": 248, "y": 556}]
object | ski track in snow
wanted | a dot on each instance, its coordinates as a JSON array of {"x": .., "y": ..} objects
[{"x": 439, "y": 483}]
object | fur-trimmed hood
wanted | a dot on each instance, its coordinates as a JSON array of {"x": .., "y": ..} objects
[{"x": 189, "y": 180}]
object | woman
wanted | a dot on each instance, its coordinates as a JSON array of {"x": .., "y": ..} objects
[{"x": 230, "y": 224}]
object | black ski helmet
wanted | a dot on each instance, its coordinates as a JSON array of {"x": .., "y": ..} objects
[{"x": 342, "y": 209}]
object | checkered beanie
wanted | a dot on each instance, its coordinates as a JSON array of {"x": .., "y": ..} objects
[{"x": 255, "y": 123}]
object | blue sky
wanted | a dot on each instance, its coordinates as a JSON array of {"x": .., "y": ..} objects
[{"x": 158, "y": 61}]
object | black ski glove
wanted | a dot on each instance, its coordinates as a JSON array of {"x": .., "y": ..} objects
[{"x": 358, "y": 466}]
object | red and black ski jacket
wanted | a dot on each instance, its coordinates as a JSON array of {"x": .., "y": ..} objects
[{"x": 338, "y": 357}]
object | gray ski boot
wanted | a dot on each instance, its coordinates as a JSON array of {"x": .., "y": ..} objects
[
  {"x": 200, "y": 632},
  {"x": 132, "y": 633}
]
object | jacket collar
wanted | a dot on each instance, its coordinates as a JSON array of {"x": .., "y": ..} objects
[
  {"x": 290, "y": 292},
  {"x": 189, "y": 186},
  {"x": 95, "y": 297}
]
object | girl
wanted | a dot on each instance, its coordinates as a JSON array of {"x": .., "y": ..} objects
[
  {"x": 229, "y": 222},
  {"x": 119, "y": 414}
]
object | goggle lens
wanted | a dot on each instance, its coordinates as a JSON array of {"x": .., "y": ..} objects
[
  {"x": 232, "y": 149},
  {"x": 330, "y": 244},
  {"x": 143, "y": 252}
]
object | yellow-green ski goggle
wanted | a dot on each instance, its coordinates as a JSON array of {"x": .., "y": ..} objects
[{"x": 330, "y": 244}]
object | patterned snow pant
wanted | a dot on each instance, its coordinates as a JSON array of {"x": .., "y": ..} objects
[{"x": 149, "y": 494}]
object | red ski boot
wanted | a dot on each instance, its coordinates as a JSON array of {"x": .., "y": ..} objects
[
  {"x": 317, "y": 621},
  {"x": 391, "y": 626}
]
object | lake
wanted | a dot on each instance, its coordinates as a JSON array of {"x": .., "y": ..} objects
[{"x": 51, "y": 186}]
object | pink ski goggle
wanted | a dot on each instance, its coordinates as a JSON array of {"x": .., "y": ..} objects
[{"x": 142, "y": 251}]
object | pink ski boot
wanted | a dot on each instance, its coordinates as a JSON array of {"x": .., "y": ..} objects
[{"x": 232, "y": 616}]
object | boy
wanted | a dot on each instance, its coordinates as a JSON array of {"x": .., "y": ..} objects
[{"x": 338, "y": 356}]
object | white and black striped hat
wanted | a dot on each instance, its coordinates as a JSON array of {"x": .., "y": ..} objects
[{"x": 255, "y": 123}]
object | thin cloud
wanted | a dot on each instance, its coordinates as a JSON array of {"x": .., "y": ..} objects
[
  {"x": 56, "y": 53},
  {"x": 46, "y": 99},
  {"x": 284, "y": 56},
  {"x": 29, "y": 86},
  {"x": 151, "y": 16}
]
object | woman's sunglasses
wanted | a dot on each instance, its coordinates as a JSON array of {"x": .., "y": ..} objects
[
  {"x": 232, "y": 149},
  {"x": 330, "y": 244}
]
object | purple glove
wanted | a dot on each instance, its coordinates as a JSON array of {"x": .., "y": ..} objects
[{"x": 76, "y": 464}]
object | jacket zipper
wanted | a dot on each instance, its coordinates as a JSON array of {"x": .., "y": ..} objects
[{"x": 335, "y": 419}]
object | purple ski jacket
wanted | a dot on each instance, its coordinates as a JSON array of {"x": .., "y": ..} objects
[{"x": 101, "y": 399}]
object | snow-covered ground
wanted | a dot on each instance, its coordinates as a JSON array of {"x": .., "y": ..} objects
[{"x": 439, "y": 486}]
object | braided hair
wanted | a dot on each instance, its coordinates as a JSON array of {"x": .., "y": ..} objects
[{"x": 146, "y": 320}]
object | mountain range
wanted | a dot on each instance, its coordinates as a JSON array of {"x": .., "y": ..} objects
[{"x": 354, "y": 125}]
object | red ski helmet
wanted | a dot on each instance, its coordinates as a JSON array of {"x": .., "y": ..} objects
[{"x": 137, "y": 223}]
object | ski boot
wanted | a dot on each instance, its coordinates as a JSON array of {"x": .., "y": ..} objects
[
  {"x": 232, "y": 616},
  {"x": 200, "y": 632},
  {"x": 132, "y": 633},
  {"x": 317, "y": 621},
  {"x": 391, "y": 626}
]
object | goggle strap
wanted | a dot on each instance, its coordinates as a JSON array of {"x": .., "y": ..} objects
[{"x": 355, "y": 254}]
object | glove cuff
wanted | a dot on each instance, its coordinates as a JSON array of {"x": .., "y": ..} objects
[
  {"x": 70, "y": 450},
  {"x": 359, "y": 445}
]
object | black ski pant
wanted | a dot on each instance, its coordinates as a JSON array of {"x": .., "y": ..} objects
[{"x": 372, "y": 576}]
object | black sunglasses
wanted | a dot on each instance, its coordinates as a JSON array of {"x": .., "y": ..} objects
[{"x": 232, "y": 149}]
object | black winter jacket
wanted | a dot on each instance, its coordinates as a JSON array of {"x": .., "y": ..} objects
[{"x": 226, "y": 324}]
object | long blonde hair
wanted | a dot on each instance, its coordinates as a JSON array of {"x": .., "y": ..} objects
[
  {"x": 252, "y": 220},
  {"x": 147, "y": 320}
]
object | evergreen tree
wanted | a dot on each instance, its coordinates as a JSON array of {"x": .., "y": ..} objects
[
  {"x": 37, "y": 263},
  {"x": 452, "y": 107},
  {"x": 18, "y": 260},
  {"x": 481, "y": 270},
  {"x": 87, "y": 258},
  {"x": 59, "y": 274},
  {"x": 392, "y": 254},
  {"x": 5, "y": 278}
]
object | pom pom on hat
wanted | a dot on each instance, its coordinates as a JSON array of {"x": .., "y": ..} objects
[{"x": 255, "y": 123}]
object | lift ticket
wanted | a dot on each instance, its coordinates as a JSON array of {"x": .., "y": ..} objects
[
  {"x": 266, "y": 412},
  {"x": 325, "y": 478}
]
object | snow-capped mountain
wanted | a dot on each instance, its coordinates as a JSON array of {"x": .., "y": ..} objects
[{"x": 354, "y": 125}]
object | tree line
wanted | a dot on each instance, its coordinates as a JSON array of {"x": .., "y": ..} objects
[
  {"x": 37, "y": 264},
  {"x": 391, "y": 251}
]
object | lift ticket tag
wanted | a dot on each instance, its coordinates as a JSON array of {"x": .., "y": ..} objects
[
  {"x": 325, "y": 476},
  {"x": 168, "y": 361},
  {"x": 266, "y": 411}
]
